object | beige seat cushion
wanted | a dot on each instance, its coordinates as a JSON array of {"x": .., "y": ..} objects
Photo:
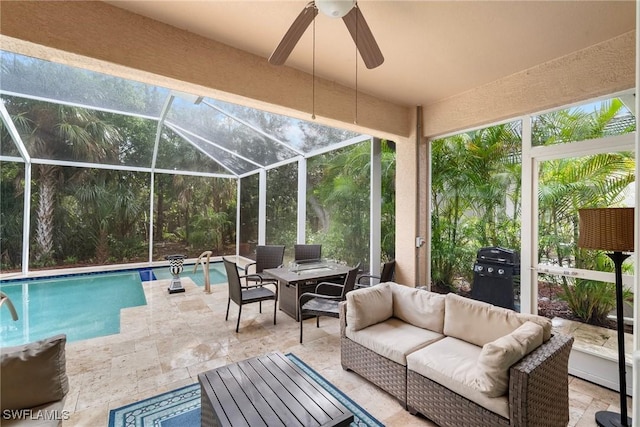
[
  {"x": 452, "y": 363},
  {"x": 33, "y": 374},
  {"x": 393, "y": 339},
  {"x": 418, "y": 307},
  {"x": 497, "y": 357},
  {"x": 479, "y": 323},
  {"x": 368, "y": 306}
]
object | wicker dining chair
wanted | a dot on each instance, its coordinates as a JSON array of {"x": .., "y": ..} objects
[
  {"x": 267, "y": 256},
  {"x": 306, "y": 252},
  {"x": 386, "y": 275},
  {"x": 324, "y": 301},
  {"x": 242, "y": 295}
]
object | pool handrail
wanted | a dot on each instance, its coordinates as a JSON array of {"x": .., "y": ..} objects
[{"x": 5, "y": 298}]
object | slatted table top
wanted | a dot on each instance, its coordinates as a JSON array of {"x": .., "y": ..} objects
[{"x": 268, "y": 390}]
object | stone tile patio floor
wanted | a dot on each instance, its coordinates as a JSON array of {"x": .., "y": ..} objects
[{"x": 167, "y": 343}]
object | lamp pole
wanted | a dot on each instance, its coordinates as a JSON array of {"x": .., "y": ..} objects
[{"x": 608, "y": 418}]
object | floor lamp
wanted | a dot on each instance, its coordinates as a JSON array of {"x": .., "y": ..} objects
[{"x": 611, "y": 229}]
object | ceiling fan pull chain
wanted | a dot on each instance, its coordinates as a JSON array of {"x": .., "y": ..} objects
[
  {"x": 313, "y": 74},
  {"x": 355, "y": 120}
]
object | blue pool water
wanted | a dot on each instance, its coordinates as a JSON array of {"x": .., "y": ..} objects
[
  {"x": 80, "y": 306},
  {"x": 216, "y": 273}
]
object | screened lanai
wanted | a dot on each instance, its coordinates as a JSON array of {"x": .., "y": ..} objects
[{"x": 155, "y": 171}]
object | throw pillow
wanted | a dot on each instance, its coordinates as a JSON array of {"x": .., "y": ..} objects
[
  {"x": 33, "y": 374},
  {"x": 498, "y": 356},
  {"x": 368, "y": 306},
  {"x": 418, "y": 307}
]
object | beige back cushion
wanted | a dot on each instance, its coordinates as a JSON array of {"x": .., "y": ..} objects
[
  {"x": 479, "y": 323},
  {"x": 498, "y": 356},
  {"x": 368, "y": 306},
  {"x": 33, "y": 374},
  {"x": 418, "y": 307}
]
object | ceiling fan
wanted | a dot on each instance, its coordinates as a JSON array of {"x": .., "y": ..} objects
[{"x": 351, "y": 15}]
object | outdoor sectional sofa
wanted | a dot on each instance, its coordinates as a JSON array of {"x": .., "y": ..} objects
[{"x": 455, "y": 360}]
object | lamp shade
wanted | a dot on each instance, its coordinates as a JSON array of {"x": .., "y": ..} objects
[{"x": 609, "y": 229}]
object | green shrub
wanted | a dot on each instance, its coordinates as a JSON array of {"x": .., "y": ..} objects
[{"x": 591, "y": 300}]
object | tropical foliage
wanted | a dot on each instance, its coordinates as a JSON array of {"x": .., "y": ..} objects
[
  {"x": 476, "y": 198},
  {"x": 101, "y": 216},
  {"x": 337, "y": 205}
]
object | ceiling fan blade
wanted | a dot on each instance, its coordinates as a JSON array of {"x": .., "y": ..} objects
[
  {"x": 293, "y": 34},
  {"x": 363, "y": 38}
]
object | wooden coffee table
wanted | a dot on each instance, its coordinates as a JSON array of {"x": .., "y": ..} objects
[{"x": 267, "y": 390}]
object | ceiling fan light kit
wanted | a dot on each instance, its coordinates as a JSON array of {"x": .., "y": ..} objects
[{"x": 335, "y": 8}]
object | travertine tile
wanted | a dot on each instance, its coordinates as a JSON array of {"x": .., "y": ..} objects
[{"x": 165, "y": 344}]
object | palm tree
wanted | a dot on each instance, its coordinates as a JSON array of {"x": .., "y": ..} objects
[
  {"x": 338, "y": 192},
  {"x": 52, "y": 131},
  {"x": 475, "y": 198}
]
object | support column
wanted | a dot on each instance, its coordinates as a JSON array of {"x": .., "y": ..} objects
[
  {"x": 26, "y": 218},
  {"x": 406, "y": 208},
  {"x": 528, "y": 225},
  {"x": 375, "y": 206},
  {"x": 238, "y": 199},
  {"x": 262, "y": 208},
  {"x": 636, "y": 280},
  {"x": 302, "y": 201}
]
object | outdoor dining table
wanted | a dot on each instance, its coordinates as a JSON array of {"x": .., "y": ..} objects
[{"x": 300, "y": 278}]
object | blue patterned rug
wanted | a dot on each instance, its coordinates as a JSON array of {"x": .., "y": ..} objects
[{"x": 181, "y": 407}]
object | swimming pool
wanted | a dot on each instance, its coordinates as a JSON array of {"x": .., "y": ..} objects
[
  {"x": 216, "y": 273},
  {"x": 80, "y": 306}
]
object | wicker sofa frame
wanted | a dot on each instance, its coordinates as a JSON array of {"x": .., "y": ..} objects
[{"x": 535, "y": 384}]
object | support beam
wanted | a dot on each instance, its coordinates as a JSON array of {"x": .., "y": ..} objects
[
  {"x": 92, "y": 34},
  {"x": 602, "y": 69}
]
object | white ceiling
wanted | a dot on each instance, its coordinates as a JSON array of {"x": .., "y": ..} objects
[{"x": 433, "y": 49}]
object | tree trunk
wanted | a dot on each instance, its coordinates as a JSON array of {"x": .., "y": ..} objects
[
  {"x": 102, "y": 246},
  {"x": 159, "y": 221},
  {"x": 44, "y": 215},
  {"x": 322, "y": 215}
]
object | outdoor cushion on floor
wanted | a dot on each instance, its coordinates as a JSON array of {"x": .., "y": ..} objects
[{"x": 33, "y": 374}]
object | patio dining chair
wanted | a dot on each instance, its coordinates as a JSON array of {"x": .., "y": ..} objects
[
  {"x": 307, "y": 252},
  {"x": 267, "y": 256},
  {"x": 324, "y": 301},
  {"x": 386, "y": 275},
  {"x": 242, "y": 295}
]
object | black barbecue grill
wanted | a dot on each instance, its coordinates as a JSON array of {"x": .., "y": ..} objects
[{"x": 493, "y": 276}]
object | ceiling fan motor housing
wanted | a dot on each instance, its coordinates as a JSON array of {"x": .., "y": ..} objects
[{"x": 335, "y": 8}]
